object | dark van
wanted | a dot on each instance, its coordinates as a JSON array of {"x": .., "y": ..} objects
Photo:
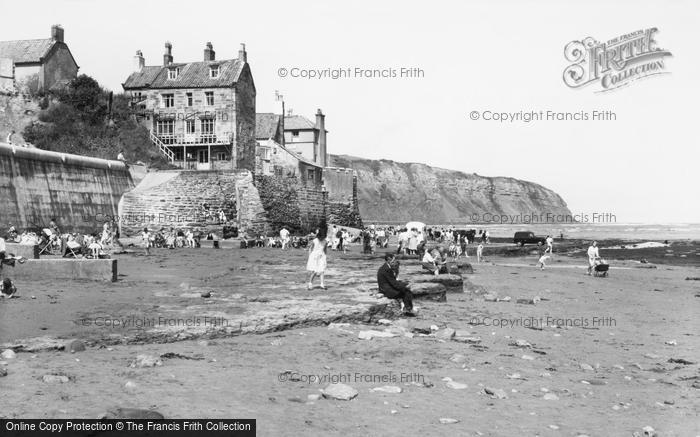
[{"x": 526, "y": 237}]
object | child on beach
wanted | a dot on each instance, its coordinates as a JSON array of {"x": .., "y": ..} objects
[
  {"x": 479, "y": 252},
  {"x": 543, "y": 258},
  {"x": 8, "y": 289},
  {"x": 146, "y": 237}
]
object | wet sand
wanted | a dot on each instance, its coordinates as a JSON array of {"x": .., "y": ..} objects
[{"x": 627, "y": 359}]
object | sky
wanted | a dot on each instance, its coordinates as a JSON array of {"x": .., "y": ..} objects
[{"x": 498, "y": 56}]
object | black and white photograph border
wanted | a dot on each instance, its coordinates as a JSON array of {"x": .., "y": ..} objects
[{"x": 364, "y": 219}]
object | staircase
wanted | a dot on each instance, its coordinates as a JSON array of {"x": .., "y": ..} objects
[{"x": 165, "y": 150}]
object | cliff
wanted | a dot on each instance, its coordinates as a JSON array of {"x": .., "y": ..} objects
[{"x": 391, "y": 191}]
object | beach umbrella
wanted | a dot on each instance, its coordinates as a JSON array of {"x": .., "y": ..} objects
[{"x": 417, "y": 225}]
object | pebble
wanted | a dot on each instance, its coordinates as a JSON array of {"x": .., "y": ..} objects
[
  {"x": 471, "y": 340},
  {"x": 52, "y": 379},
  {"x": 514, "y": 376},
  {"x": 313, "y": 397},
  {"x": 380, "y": 321},
  {"x": 550, "y": 397},
  {"x": 555, "y": 427},
  {"x": 672, "y": 343},
  {"x": 340, "y": 392},
  {"x": 8, "y": 354},
  {"x": 521, "y": 343},
  {"x": 387, "y": 389},
  {"x": 394, "y": 411},
  {"x": 528, "y": 357},
  {"x": 130, "y": 385},
  {"x": 76, "y": 346},
  {"x": 587, "y": 367},
  {"x": 448, "y": 420},
  {"x": 144, "y": 360},
  {"x": 496, "y": 393},
  {"x": 206, "y": 294},
  {"x": 456, "y": 385}
]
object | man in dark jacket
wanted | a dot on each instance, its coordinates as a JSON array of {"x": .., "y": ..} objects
[{"x": 393, "y": 289}]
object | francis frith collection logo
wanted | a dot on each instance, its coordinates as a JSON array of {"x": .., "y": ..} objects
[{"x": 615, "y": 63}]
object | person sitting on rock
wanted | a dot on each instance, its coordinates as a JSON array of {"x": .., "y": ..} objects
[
  {"x": 393, "y": 289},
  {"x": 432, "y": 261},
  {"x": 8, "y": 289}
]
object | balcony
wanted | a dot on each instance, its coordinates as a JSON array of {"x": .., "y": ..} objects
[{"x": 224, "y": 138}]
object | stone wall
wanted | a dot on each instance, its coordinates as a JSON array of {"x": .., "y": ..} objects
[
  {"x": 37, "y": 185},
  {"x": 341, "y": 187},
  {"x": 176, "y": 199}
]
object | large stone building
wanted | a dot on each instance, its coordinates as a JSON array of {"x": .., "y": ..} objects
[
  {"x": 35, "y": 65},
  {"x": 201, "y": 115}
]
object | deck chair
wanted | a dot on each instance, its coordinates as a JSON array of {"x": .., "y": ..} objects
[{"x": 73, "y": 248}]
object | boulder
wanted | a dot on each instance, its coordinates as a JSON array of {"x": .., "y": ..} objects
[
  {"x": 428, "y": 291},
  {"x": 8, "y": 354},
  {"x": 445, "y": 334},
  {"x": 340, "y": 392},
  {"x": 75, "y": 346},
  {"x": 452, "y": 283}
]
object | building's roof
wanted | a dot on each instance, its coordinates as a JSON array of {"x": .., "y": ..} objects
[
  {"x": 26, "y": 50},
  {"x": 298, "y": 122},
  {"x": 192, "y": 75},
  {"x": 266, "y": 125}
]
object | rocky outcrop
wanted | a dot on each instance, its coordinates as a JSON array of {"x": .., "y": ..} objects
[{"x": 391, "y": 191}]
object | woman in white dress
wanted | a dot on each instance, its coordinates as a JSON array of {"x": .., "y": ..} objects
[{"x": 317, "y": 257}]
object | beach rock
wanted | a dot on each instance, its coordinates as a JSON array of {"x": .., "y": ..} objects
[
  {"x": 3, "y": 372},
  {"x": 496, "y": 393},
  {"x": 445, "y": 334},
  {"x": 387, "y": 389},
  {"x": 491, "y": 297},
  {"x": 586, "y": 367},
  {"x": 131, "y": 413},
  {"x": 75, "y": 346},
  {"x": 368, "y": 335},
  {"x": 428, "y": 291},
  {"x": 594, "y": 381},
  {"x": 528, "y": 357},
  {"x": 206, "y": 294},
  {"x": 456, "y": 385},
  {"x": 130, "y": 386},
  {"x": 550, "y": 397},
  {"x": 469, "y": 340},
  {"x": 380, "y": 321},
  {"x": 448, "y": 420},
  {"x": 144, "y": 360},
  {"x": 313, "y": 397},
  {"x": 648, "y": 431},
  {"x": 521, "y": 343},
  {"x": 532, "y": 301},
  {"x": 422, "y": 328},
  {"x": 458, "y": 358},
  {"x": 8, "y": 354},
  {"x": 55, "y": 379},
  {"x": 340, "y": 392}
]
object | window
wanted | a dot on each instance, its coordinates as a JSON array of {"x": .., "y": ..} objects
[
  {"x": 178, "y": 154},
  {"x": 173, "y": 73},
  {"x": 221, "y": 156},
  {"x": 189, "y": 126},
  {"x": 190, "y": 102},
  {"x": 165, "y": 130},
  {"x": 168, "y": 100},
  {"x": 210, "y": 97},
  {"x": 207, "y": 130},
  {"x": 310, "y": 174},
  {"x": 214, "y": 71}
]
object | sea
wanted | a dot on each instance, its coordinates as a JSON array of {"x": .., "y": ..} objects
[{"x": 623, "y": 231}]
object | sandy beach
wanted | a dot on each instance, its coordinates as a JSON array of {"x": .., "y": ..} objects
[{"x": 592, "y": 356}]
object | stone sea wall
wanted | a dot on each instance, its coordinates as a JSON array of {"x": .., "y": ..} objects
[{"x": 38, "y": 185}]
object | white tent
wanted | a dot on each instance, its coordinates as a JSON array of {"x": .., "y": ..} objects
[{"x": 417, "y": 225}]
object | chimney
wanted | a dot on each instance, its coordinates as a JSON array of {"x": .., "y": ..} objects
[
  {"x": 168, "y": 55},
  {"x": 57, "y": 33},
  {"x": 242, "y": 55},
  {"x": 139, "y": 61},
  {"x": 321, "y": 152},
  {"x": 209, "y": 53}
]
